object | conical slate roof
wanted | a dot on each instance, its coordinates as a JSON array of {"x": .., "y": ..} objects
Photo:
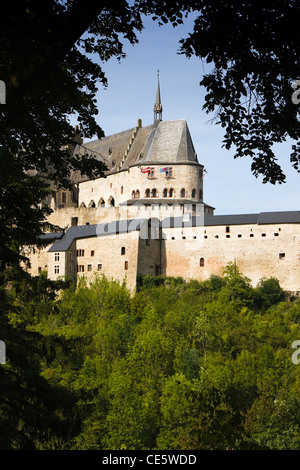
[{"x": 164, "y": 142}]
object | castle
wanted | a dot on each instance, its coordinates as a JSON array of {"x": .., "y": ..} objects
[{"x": 148, "y": 217}]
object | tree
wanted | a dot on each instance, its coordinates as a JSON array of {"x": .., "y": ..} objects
[
  {"x": 45, "y": 64},
  {"x": 270, "y": 292},
  {"x": 49, "y": 77},
  {"x": 254, "y": 49}
]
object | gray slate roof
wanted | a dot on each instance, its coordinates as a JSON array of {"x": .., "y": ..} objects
[
  {"x": 288, "y": 217},
  {"x": 163, "y": 142},
  {"x": 95, "y": 230}
]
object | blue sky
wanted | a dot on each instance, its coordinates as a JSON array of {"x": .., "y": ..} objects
[{"x": 229, "y": 185}]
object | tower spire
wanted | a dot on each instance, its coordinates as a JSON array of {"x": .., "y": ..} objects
[{"x": 157, "y": 106}]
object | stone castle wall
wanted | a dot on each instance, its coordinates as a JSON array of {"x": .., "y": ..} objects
[
  {"x": 190, "y": 252},
  {"x": 258, "y": 250},
  {"x": 120, "y": 186}
]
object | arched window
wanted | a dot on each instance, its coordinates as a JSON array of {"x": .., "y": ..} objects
[
  {"x": 133, "y": 195},
  {"x": 82, "y": 204},
  {"x": 182, "y": 193},
  {"x": 171, "y": 192},
  {"x": 137, "y": 194},
  {"x": 193, "y": 193},
  {"x": 147, "y": 193},
  {"x": 111, "y": 201},
  {"x": 165, "y": 192},
  {"x": 154, "y": 192},
  {"x": 92, "y": 204},
  {"x": 201, "y": 263},
  {"x": 101, "y": 202}
]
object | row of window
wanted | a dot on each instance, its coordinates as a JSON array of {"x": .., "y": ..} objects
[
  {"x": 101, "y": 203},
  {"x": 81, "y": 252},
  {"x": 92, "y": 253},
  {"x": 201, "y": 261},
  {"x": 148, "y": 193},
  {"x": 81, "y": 267},
  {"x": 167, "y": 171},
  {"x": 239, "y": 235},
  {"x": 166, "y": 193}
]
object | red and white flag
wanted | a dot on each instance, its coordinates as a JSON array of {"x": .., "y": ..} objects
[{"x": 146, "y": 170}]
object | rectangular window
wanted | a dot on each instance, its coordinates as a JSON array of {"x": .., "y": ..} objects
[
  {"x": 63, "y": 198},
  {"x": 121, "y": 189},
  {"x": 152, "y": 173},
  {"x": 126, "y": 265},
  {"x": 56, "y": 257},
  {"x": 80, "y": 268},
  {"x": 79, "y": 252},
  {"x": 56, "y": 269},
  {"x": 227, "y": 229},
  {"x": 93, "y": 253},
  {"x": 169, "y": 172},
  {"x": 89, "y": 267},
  {"x": 281, "y": 255},
  {"x": 99, "y": 267}
]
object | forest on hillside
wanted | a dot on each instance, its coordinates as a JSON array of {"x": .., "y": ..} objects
[{"x": 198, "y": 365}]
